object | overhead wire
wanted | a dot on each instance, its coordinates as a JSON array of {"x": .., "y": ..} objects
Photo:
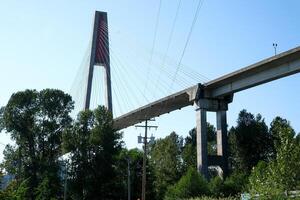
[
  {"x": 79, "y": 83},
  {"x": 128, "y": 74},
  {"x": 187, "y": 75},
  {"x": 169, "y": 40},
  {"x": 200, "y": 3},
  {"x": 126, "y": 84},
  {"x": 138, "y": 55},
  {"x": 153, "y": 43}
]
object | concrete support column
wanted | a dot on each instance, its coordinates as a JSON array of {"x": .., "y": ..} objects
[
  {"x": 222, "y": 139},
  {"x": 202, "y": 162}
]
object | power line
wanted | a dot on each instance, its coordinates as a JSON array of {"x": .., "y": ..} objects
[
  {"x": 153, "y": 43},
  {"x": 200, "y": 3},
  {"x": 169, "y": 40}
]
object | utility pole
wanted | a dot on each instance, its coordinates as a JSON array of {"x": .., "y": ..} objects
[
  {"x": 66, "y": 180},
  {"x": 128, "y": 179},
  {"x": 145, "y": 141}
]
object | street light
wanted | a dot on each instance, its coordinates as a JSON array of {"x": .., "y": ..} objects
[{"x": 275, "y": 48}]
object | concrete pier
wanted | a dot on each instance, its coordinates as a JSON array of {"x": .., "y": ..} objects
[
  {"x": 219, "y": 106},
  {"x": 202, "y": 162}
]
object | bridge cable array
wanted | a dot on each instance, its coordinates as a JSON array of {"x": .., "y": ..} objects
[{"x": 128, "y": 71}]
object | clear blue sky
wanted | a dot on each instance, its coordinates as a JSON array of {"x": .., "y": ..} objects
[{"x": 42, "y": 44}]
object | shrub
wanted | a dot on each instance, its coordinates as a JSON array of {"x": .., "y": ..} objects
[
  {"x": 213, "y": 198},
  {"x": 235, "y": 184},
  {"x": 190, "y": 185},
  {"x": 216, "y": 186}
]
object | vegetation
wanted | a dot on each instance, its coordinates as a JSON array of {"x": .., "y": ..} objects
[
  {"x": 281, "y": 175},
  {"x": 263, "y": 161},
  {"x": 250, "y": 142},
  {"x": 192, "y": 184},
  {"x": 166, "y": 160},
  {"x": 94, "y": 147},
  {"x": 35, "y": 121}
]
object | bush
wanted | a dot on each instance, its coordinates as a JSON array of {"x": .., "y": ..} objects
[
  {"x": 213, "y": 198},
  {"x": 216, "y": 186},
  {"x": 190, "y": 185},
  {"x": 15, "y": 192},
  {"x": 235, "y": 184}
]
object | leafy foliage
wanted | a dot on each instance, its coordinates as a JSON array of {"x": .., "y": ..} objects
[
  {"x": 35, "y": 121},
  {"x": 94, "y": 147},
  {"x": 15, "y": 191},
  {"x": 216, "y": 186},
  {"x": 231, "y": 186},
  {"x": 282, "y": 174},
  {"x": 190, "y": 185},
  {"x": 213, "y": 198},
  {"x": 189, "y": 152},
  {"x": 135, "y": 157},
  {"x": 166, "y": 160},
  {"x": 235, "y": 183},
  {"x": 250, "y": 142}
]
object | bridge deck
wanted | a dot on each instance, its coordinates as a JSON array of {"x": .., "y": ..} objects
[
  {"x": 284, "y": 64},
  {"x": 165, "y": 105}
]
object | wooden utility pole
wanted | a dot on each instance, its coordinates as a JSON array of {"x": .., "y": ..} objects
[
  {"x": 145, "y": 141},
  {"x": 128, "y": 179}
]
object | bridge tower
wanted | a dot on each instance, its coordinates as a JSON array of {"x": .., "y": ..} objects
[{"x": 99, "y": 56}]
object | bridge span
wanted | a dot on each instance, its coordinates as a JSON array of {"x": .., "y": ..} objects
[
  {"x": 212, "y": 96},
  {"x": 222, "y": 88},
  {"x": 215, "y": 96}
]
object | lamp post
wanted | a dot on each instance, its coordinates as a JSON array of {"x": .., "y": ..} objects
[{"x": 275, "y": 48}]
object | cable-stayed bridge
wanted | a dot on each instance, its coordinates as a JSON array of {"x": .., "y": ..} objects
[{"x": 205, "y": 95}]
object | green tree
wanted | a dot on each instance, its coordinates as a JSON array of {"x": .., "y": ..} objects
[
  {"x": 272, "y": 179},
  {"x": 233, "y": 185},
  {"x": 192, "y": 184},
  {"x": 136, "y": 162},
  {"x": 15, "y": 191},
  {"x": 94, "y": 147},
  {"x": 249, "y": 142},
  {"x": 189, "y": 153},
  {"x": 35, "y": 121},
  {"x": 11, "y": 162},
  {"x": 165, "y": 157},
  {"x": 216, "y": 186}
]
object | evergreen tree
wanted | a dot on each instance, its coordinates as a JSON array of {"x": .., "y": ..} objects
[
  {"x": 189, "y": 153},
  {"x": 249, "y": 142},
  {"x": 166, "y": 161},
  {"x": 94, "y": 147}
]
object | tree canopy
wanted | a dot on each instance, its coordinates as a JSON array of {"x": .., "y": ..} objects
[
  {"x": 35, "y": 121},
  {"x": 283, "y": 173},
  {"x": 94, "y": 147},
  {"x": 249, "y": 142}
]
